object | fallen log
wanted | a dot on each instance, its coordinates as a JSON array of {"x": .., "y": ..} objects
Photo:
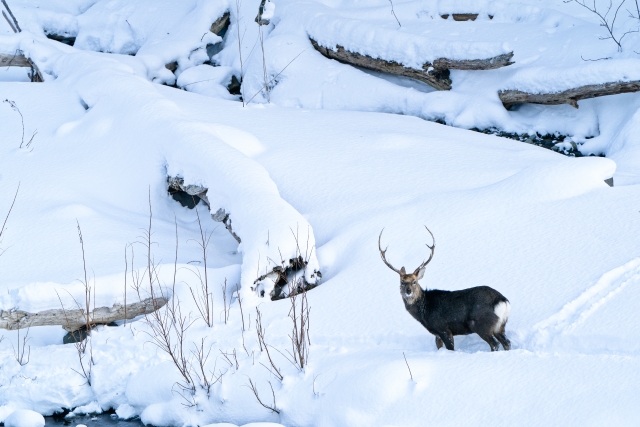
[
  {"x": 437, "y": 79},
  {"x": 463, "y": 16},
  {"x": 197, "y": 193},
  {"x": 15, "y": 60},
  {"x": 474, "y": 64},
  {"x": 219, "y": 28},
  {"x": 435, "y": 74},
  {"x": 73, "y": 320},
  {"x": 569, "y": 96},
  {"x": 18, "y": 59}
]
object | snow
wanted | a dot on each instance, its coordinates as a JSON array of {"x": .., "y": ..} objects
[
  {"x": 207, "y": 80},
  {"x": 24, "y": 418},
  {"x": 336, "y": 155}
]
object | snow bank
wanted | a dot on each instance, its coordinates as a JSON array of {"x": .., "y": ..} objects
[
  {"x": 24, "y": 418},
  {"x": 171, "y": 144},
  {"x": 207, "y": 80},
  {"x": 541, "y": 228}
]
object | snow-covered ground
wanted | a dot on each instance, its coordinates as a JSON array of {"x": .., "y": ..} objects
[{"x": 319, "y": 171}]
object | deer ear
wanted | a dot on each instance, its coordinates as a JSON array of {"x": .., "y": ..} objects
[
  {"x": 421, "y": 273},
  {"x": 403, "y": 271}
]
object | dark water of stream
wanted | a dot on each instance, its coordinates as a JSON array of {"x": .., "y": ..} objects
[{"x": 102, "y": 420}]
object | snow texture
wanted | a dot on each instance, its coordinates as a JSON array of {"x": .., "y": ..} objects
[{"x": 336, "y": 155}]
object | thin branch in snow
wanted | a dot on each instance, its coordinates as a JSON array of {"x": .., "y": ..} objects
[
  {"x": 238, "y": 2},
  {"x": 605, "y": 21},
  {"x": 4, "y": 224},
  {"x": 19, "y": 354},
  {"x": 394, "y": 13},
  {"x": 15, "y": 21},
  {"x": 253, "y": 388},
  {"x": 15, "y": 108},
  {"x": 405, "y": 361},
  {"x": 594, "y": 60},
  {"x": 276, "y": 76}
]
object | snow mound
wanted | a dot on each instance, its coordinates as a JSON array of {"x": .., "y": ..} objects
[
  {"x": 207, "y": 80},
  {"x": 126, "y": 411},
  {"x": 24, "y": 418}
]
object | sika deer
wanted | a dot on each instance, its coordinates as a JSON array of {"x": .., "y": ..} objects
[{"x": 481, "y": 310}]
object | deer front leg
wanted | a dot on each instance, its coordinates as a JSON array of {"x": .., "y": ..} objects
[{"x": 445, "y": 338}]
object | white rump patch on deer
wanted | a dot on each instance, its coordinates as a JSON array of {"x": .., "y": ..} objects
[{"x": 502, "y": 310}]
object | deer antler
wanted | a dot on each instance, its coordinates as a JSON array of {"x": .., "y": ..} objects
[
  {"x": 432, "y": 247},
  {"x": 382, "y": 254}
]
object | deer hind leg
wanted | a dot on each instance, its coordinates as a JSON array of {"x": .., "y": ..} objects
[
  {"x": 502, "y": 337},
  {"x": 445, "y": 338},
  {"x": 485, "y": 327},
  {"x": 491, "y": 340}
]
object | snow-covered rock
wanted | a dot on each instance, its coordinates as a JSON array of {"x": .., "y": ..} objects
[{"x": 24, "y": 418}]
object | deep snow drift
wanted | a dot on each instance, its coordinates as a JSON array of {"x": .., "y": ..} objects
[{"x": 307, "y": 174}]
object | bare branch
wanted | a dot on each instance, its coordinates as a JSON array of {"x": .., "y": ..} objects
[
  {"x": 405, "y": 361},
  {"x": 15, "y": 21},
  {"x": 253, "y": 388},
  {"x": 4, "y": 224}
]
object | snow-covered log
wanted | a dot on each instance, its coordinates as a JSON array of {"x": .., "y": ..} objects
[
  {"x": 177, "y": 184},
  {"x": 14, "y": 60},
  {"x": 570, "y": 96},
  {"x": 435, "y": 74},
  {"x": 463, "y": 16},
  {"x": 18, "y": 59},
  {"x": 220, "y": 24},
  {"x": 74, "y": 319},
  {"x": 439, "y": 80}
]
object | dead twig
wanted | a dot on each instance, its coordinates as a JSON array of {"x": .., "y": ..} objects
[
  {"x": 6, "y": 218},
  {"x": 253, "y": 388},
  {"x": 168, "y": 327},
  {"x": 276, "y": 76},
  {"x": 405, "y": 361},
  {"x": 238, "y": 3},
  {"x": 224, "y": 301},
  {"x": 394, "y": 13},
  {"x": 263, "y": 344},
  {"x": 15, "y": 108},
  {"x": 17, "y": 28},
  {"x": 204, "y": 298},
  {"x": 606, "y": 21},
  {"x": 242, "y": 318},
  {"x": 19, "y": 354}
]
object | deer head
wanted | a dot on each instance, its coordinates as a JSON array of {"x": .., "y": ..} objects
[{"x": 409, "y": 287}]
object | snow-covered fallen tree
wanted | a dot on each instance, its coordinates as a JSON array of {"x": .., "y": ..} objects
[
  {"x": 434, "y": 73},
  {"x": 72, "y": 319}
]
